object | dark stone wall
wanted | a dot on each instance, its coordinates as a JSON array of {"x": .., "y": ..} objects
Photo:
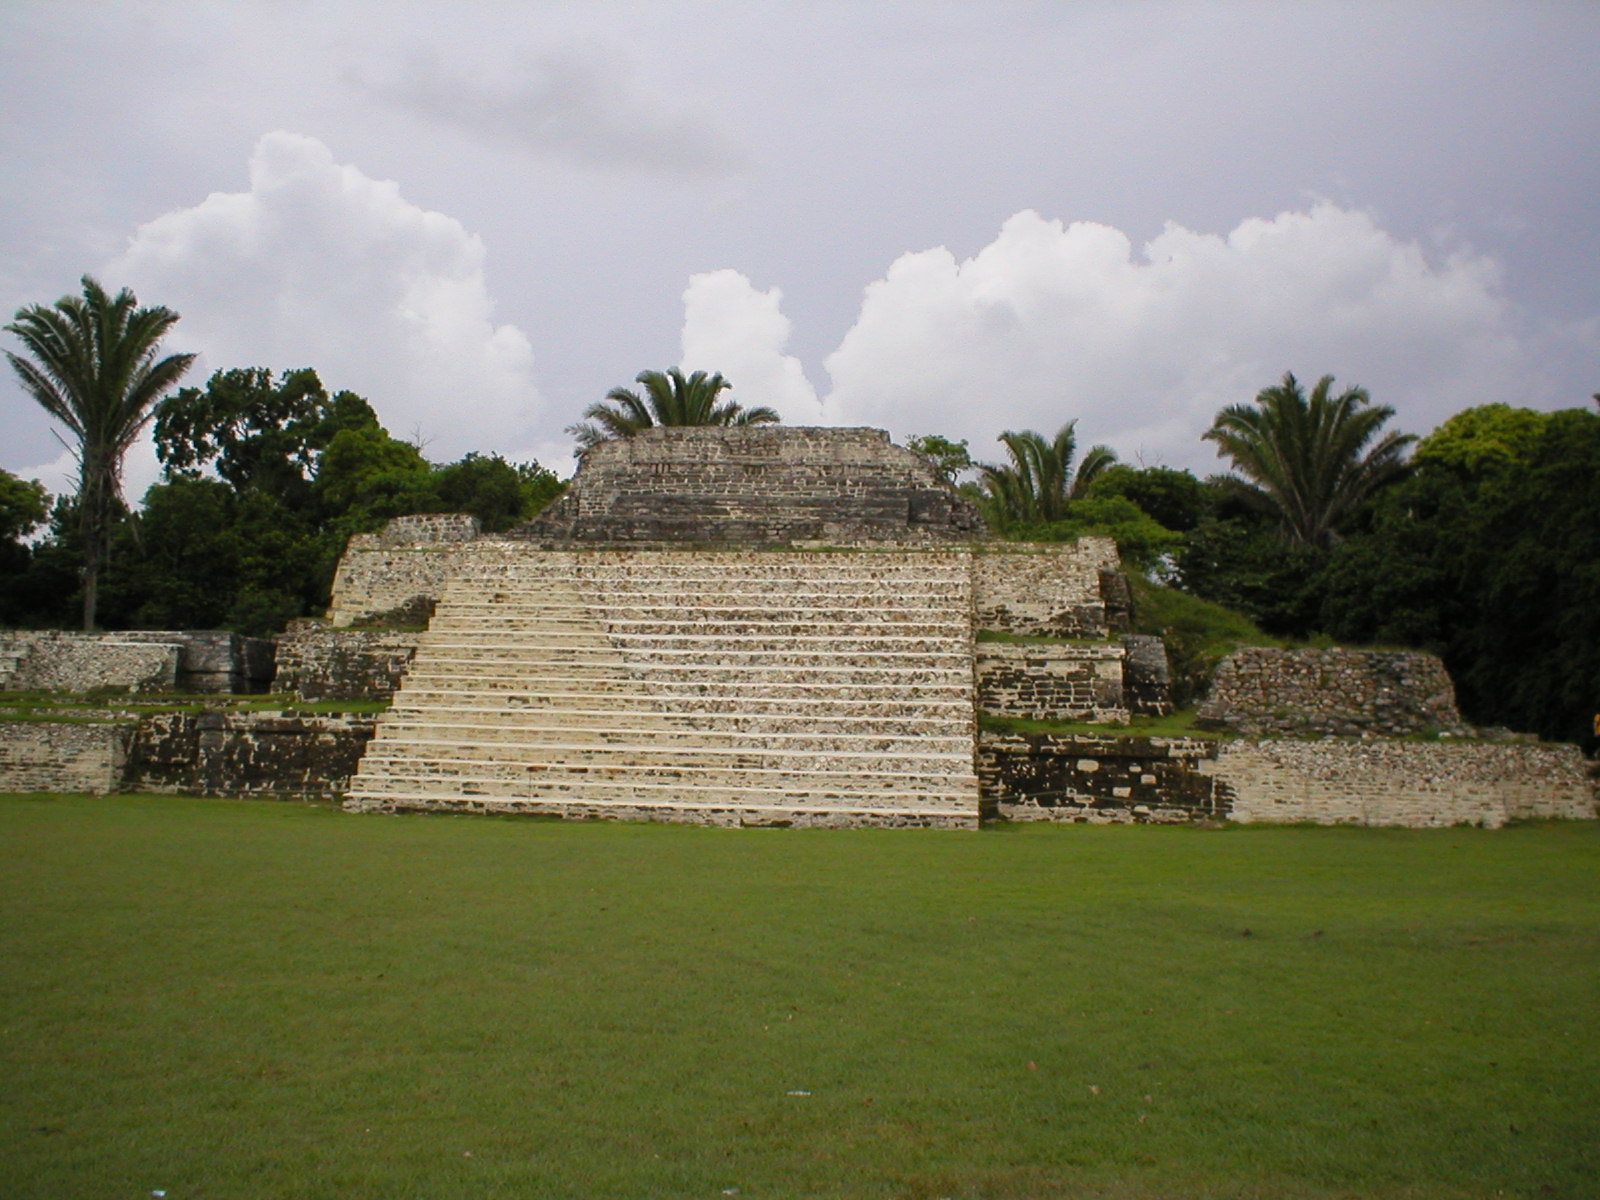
[
  {"x": 1055, "y": 777},
  {"x": 316, "y": 662},
  {"x": 246, "y": 754},
  {"x": 761, "y": 485}
]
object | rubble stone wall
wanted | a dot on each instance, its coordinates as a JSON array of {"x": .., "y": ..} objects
[
  {"x": 428, "y": 528},
  {"x": 1082, "y": 778},
  {"x": 50, "y": 756},
  {"x": 54, "y": 661},
  {"x": 1260, "y": 690},
  {"x": 318, "y": 662},
  {"x": 1055, "y": 681},
  {"x": 246, "y": 754},
  {"x": 381, "y": 581},
  {"x": 1344, "y": 781},
  {"x": 1043, "y": 591}
]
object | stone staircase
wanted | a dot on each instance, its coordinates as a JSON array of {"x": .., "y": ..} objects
[{"x": 760, "y": 688}]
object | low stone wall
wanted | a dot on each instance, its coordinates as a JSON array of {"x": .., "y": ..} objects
[
  {"x": 1040, "y": 591},
  {"x": 428, "y": 529},
  {"x": 379, "y": 581},
  {"x": 53, "y": 661},
  {"x": 140, "y": 660},
  {"x": 316, "y": 662},
  {"x": 1402, "y": 783},
  {"x": 246, "y": 754},
  {"x": 1053, "y": 681},
  {"x": 1053, "y": 777},
  {"x": 40, "y": 756},
  {"x": 1146, "y": 675},
  {"x": 1259, "y": 690}
]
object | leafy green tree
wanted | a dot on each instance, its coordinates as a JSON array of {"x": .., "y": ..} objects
[
  {"x": 92, "y": 364},
  {"x": 1035, "y": 486},
  {"x": 1489, "y": 554},
  {"x": 668, "y": 398},
  {"x": 1174, "y": 499},
  {"x": 24, "y": 504},
  {"x": 1308, "y": 461},
  {"x": 254, "y": 433},
  {"x": 951, "y": 459}
]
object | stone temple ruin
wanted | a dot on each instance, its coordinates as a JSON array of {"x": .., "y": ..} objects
[{"x": 771, "y": 626}]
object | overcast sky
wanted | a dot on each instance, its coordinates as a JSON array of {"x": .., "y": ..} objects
[{"x": 954, "y": 219}]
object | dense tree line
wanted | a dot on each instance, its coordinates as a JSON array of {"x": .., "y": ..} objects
[
  {"x": 264, "y": 481},
  {"x": 1483, "y": 548}
]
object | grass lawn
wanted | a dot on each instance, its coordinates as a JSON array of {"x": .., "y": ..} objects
[{"x": 230, "y": 999}]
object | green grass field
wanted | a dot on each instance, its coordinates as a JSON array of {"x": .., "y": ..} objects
[{"x": 227, "y": 999}]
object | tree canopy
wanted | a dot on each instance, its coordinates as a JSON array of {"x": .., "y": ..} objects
[
  {"x": 668, "y": 398},
  {"x": 1035, "y": 486},
  {"x": 1307, "y": 461}
]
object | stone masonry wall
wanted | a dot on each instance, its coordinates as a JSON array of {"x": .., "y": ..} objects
[
  {"x": 428, "y": 528},
  {"x": 246, "y": 754},
  {"x": 49, "y": 756},
  {"x": 761, "y": 484},
  {"x": 1402, "y": 783},
  {"x": 1056, "y": 777},
  {"x": 316, "y": 662},
  {"x": 1258, "y": 690},
  {"x": 1054, "y": 681},
  {"x": 376, "y": 580},
  {"x": 1041, "y": 591},
  {"x": 49, "y": 660}
]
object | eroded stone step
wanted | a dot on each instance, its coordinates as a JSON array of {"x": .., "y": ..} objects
[
  {"x": 661, "y": 789},
  {"x": 713, "y": 811}
]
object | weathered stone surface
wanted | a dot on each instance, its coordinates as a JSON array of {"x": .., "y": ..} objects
[
  {"x": 1051, "y": 681},
  {"x": 1146, "y": 675},
  {"x": 1053, "y": 777},
  {"x": 246, "y": 754},
  {"x": 1043, "y": 591},
  {"x": 134, "y": 661},
  {"x": 41, "y": 756},
  {"x": 1260, "y": 690},
  {"x": 319, "y": 662},
  {"x": 1348, "y": 781},
  {"x": 756, "y": 485}
]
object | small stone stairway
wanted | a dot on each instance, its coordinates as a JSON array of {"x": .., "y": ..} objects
[{"x": 758, "y": 688}]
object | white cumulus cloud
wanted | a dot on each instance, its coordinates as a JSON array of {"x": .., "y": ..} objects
[
  {"x": 732, "y": 328},
  {"x": 318, "y": 265},
  {"x": 1051, "y": 322}
]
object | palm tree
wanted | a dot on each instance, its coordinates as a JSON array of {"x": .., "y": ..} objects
[
  {"x": 92, "y": 365},
  {"x": 1036, "y": 485},
  {"x": 669, "y": 399},
  {"x": 1309, "y": 459}
]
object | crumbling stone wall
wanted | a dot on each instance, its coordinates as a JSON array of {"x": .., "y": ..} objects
[
  {"x": 1044, "y": 591},
  {"x": 1059, "y": 777},
  {"x": 428, "y": 528},
  {"x": 59, "y": 756},
  {"x": 134, "y": 661},
  {"x": 246, "y": 754},
  {"x": 1260, "y": 690},
  {"x": 378, "y": 583},
  {"x": 1053, "y": 681},
  {"x": 53, "y": 661},
  {"x": 1344, "y": 781},
  {"x": 762, "y": 484},
  {"x": 317, "y": 662}
]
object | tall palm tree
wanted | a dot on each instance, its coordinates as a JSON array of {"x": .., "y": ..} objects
[
  {"x": 1036, "y": 485},
  {"x": 669, "y": 399},
  {"x": 92, "y": 365},
  {"x": 1308, "y": 459}
]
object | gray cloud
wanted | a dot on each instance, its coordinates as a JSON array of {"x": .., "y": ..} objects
[{"x": 578, "y": 103}]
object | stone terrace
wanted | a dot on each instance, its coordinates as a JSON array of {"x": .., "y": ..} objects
[{"x": 777, "y": 688}]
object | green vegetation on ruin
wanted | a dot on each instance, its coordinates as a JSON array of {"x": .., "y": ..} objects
[
  {"x": 1178, "y": 724},
  {"x": 105, "y": 706},
  {"x": 231, "y": 998}
]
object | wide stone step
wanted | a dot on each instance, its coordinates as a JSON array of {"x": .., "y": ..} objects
[
  {"x": 582, "y": 712},
  {"x": 715, "y": 648},
  {"x": 691, "y": 625},
  {"x": 698, "y": 807},
  {"x": 731, "y": 771},
  {"x": 650, "y": 743},
  {"x": 888, "y": 699},
  {"x": 642, "y": 786}
]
